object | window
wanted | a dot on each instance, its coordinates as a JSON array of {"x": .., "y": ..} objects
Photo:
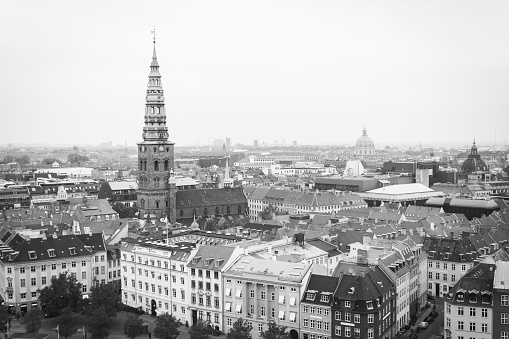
[
  {"x": 83, "y": 275},
  {"x": 357, "y": 332},
  {"x": 453, "y": 267},
  {"x": 504, "y": 335},
  {"x": 463, "y": 267},
  {"x": 357, "y": 318},
  {"x": 311, "y": 323},
  {"x": 22, "y": 270},
  {"x": 43, "y": 280},
  {"x": 371, "y": 318},
  {"x": 437, "y": 264},
  {"x": 251, "y": 293},
  {"x": 460, "y": 325},
  {"x": 260, "y": 328},
  {"x": 504, "y": 319},
  {"x": 445, "y": 276},
  {"x": 460, "y": 310},
  {"x": 347, "y": 331},
  {"x": 430, "y": 264},
  {"x": 337, "y": 315},
  {"x": 472, "y": 311},
  {"x": 484, "y": 328},
  {"x": 448, "y": 322},
  {"x": 472, "y": 327},
  {"x": 371, "y": 333},
  {"x": 348, "y": 317},
  {"x": 505, "y": 300},
  {"x": 484, "y": 313},
  {"x": 22, "y": 283},
  {"x": 437, "y": 276},
  {"x": 445, "y": 265},
  {"x": 337, "y": 330},
  {"x": 453, "y": 277},
  {"x": 33, "y": 281},
  {"x": 32, "y": 269},
  {"x": 262, "y": 295},
  {"x": 448, "y": 308},
  {"x": 347, "y": 303}
]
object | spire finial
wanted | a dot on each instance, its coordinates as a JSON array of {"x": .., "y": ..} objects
[{"x": 154, "y": 32}]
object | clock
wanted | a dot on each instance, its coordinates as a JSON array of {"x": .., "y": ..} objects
[{"x": 161, "y": 149}]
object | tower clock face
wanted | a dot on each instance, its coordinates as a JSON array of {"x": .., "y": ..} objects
[{"x": 161, "y": 148}]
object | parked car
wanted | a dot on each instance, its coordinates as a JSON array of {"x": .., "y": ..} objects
[
  {"x": 413, "y": 336},
  {"x": 434, "y": 314},
  {"x": 429, "y": 319},
  {"x": 423, "y": 325}
]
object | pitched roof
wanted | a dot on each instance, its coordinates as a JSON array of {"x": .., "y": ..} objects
[
  {"x": 204, "y": 197},
  {"x": 37, "y": 249},
  {"x": 319, "y": 285},
  {"x": 211, "y": 257}
]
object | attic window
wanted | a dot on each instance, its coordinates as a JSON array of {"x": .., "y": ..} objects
[
  {"x": 88, "y": 248},
  {"x": 72, "y": 250},
  {"x": 446, "y": 255},
  {"x": 324, "y": 298},
  {"x": 351, "y": 290},
  {"x": 369, "y": 305},
  {"x": 310, "y": 296},
  {"x": 51, "y": 253},
  {"x": 32, "y": 255}
]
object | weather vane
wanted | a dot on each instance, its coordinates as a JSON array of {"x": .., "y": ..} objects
[{"x": 154, "y": 32}]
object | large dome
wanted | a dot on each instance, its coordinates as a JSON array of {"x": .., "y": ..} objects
[
  {"x": 474, "y": 163},
  {"x": 364, "y": 145}
]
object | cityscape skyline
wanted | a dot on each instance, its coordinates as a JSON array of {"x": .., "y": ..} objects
[{"x": 283, "y": 71}]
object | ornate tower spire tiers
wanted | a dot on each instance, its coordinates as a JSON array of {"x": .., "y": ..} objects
[
  {"x": 155, "y": 114},
  {"x": 156, "y": 192}
]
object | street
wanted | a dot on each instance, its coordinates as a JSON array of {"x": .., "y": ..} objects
[{"x": 435, "y": 329}]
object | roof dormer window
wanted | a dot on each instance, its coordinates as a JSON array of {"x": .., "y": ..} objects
[
  {"x": 72, "y": 250},
  {"x": 369, "y": 305},
  {"x": 324, "y": 298},
  {"x": 51, "y": 253},
  {"x": 310, "y": 296},
  {"x": 32, "y": 255}
]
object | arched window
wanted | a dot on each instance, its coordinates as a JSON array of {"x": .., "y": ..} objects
[
  {"x": 205, "y": 211},
  {"x": 217, "y": 210},
  {"x": 157, "y": 203},
  {"x": 227, "y": 209},
  {"x": 166, "y": 165},
  {"x": 144, "y": 165},
  {"x": 181, "y": 213},
  {"x": 142, "y": 203},
  {"x": 156, "y": 165},
  {"x": 239, "y": 209},
  {"x": 141, "y": 165}
]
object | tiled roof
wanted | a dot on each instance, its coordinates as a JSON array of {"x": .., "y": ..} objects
[
  {"x": 37, "y": 249},
  {"x": 477, "y": 281},
  {"x": 211, "y": 257},
  {"x": 455, "y": 250},
  {"x": 318, "y": 286},
  {"x": 209, "y": 197}
]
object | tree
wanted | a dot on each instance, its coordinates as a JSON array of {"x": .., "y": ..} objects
[
  {"x": 104, "y": 295},
  {"x": 275, "y": 331},
  {"x": 199, "y": 331},
  {"x": 267, "y": 213},
  {"x": 4, "y": 318},
  {"x": 68, "y": 323},
  {"x": 167, "y": 327},
  {"x": 240, "y": 330},
  {"x": 98, "y": 323},
  {"x": 125, "y": 211},
  {"x": 133, "y": 326},
  {"x": 23, "y": 160},
  {"x": 32, "y": 321},
  {"x": 75, "y": 158},
  {"x": 64, "y": 291}
]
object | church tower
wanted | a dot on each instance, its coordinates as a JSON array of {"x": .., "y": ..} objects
[{"x": 155, "y": 152}]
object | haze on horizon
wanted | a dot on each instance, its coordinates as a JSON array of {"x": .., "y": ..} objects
[{"x": 313, "y": 71}]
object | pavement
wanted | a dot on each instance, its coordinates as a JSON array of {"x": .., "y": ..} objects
[{"x": 116, "y": 328}]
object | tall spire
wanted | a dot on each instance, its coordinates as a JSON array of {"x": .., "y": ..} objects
[
  {"x": 364, "y": 132},
  {"x": 155, "y": 114}
]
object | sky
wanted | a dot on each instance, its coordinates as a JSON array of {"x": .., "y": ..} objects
[{"x": 315, "y": 71}]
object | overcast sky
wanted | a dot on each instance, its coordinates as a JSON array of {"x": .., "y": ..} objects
[{"x": 314, "y": 71}]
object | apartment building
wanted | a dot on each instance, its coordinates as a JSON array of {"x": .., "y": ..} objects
[
  {"x": 155, "y": 276},
  {"x": 500, "y": 301},
  {"x": 206, "y": 274},
  {"x": 29, "y": 264},
  {"x": 469, "y": 305},
  {"x": 315, "y": 307},
  {"x": 364, "y": 303},
  {"x": 265, "y": 290}
]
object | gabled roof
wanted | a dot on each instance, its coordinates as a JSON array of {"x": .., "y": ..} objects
[{"x": 205, "y": 197}]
